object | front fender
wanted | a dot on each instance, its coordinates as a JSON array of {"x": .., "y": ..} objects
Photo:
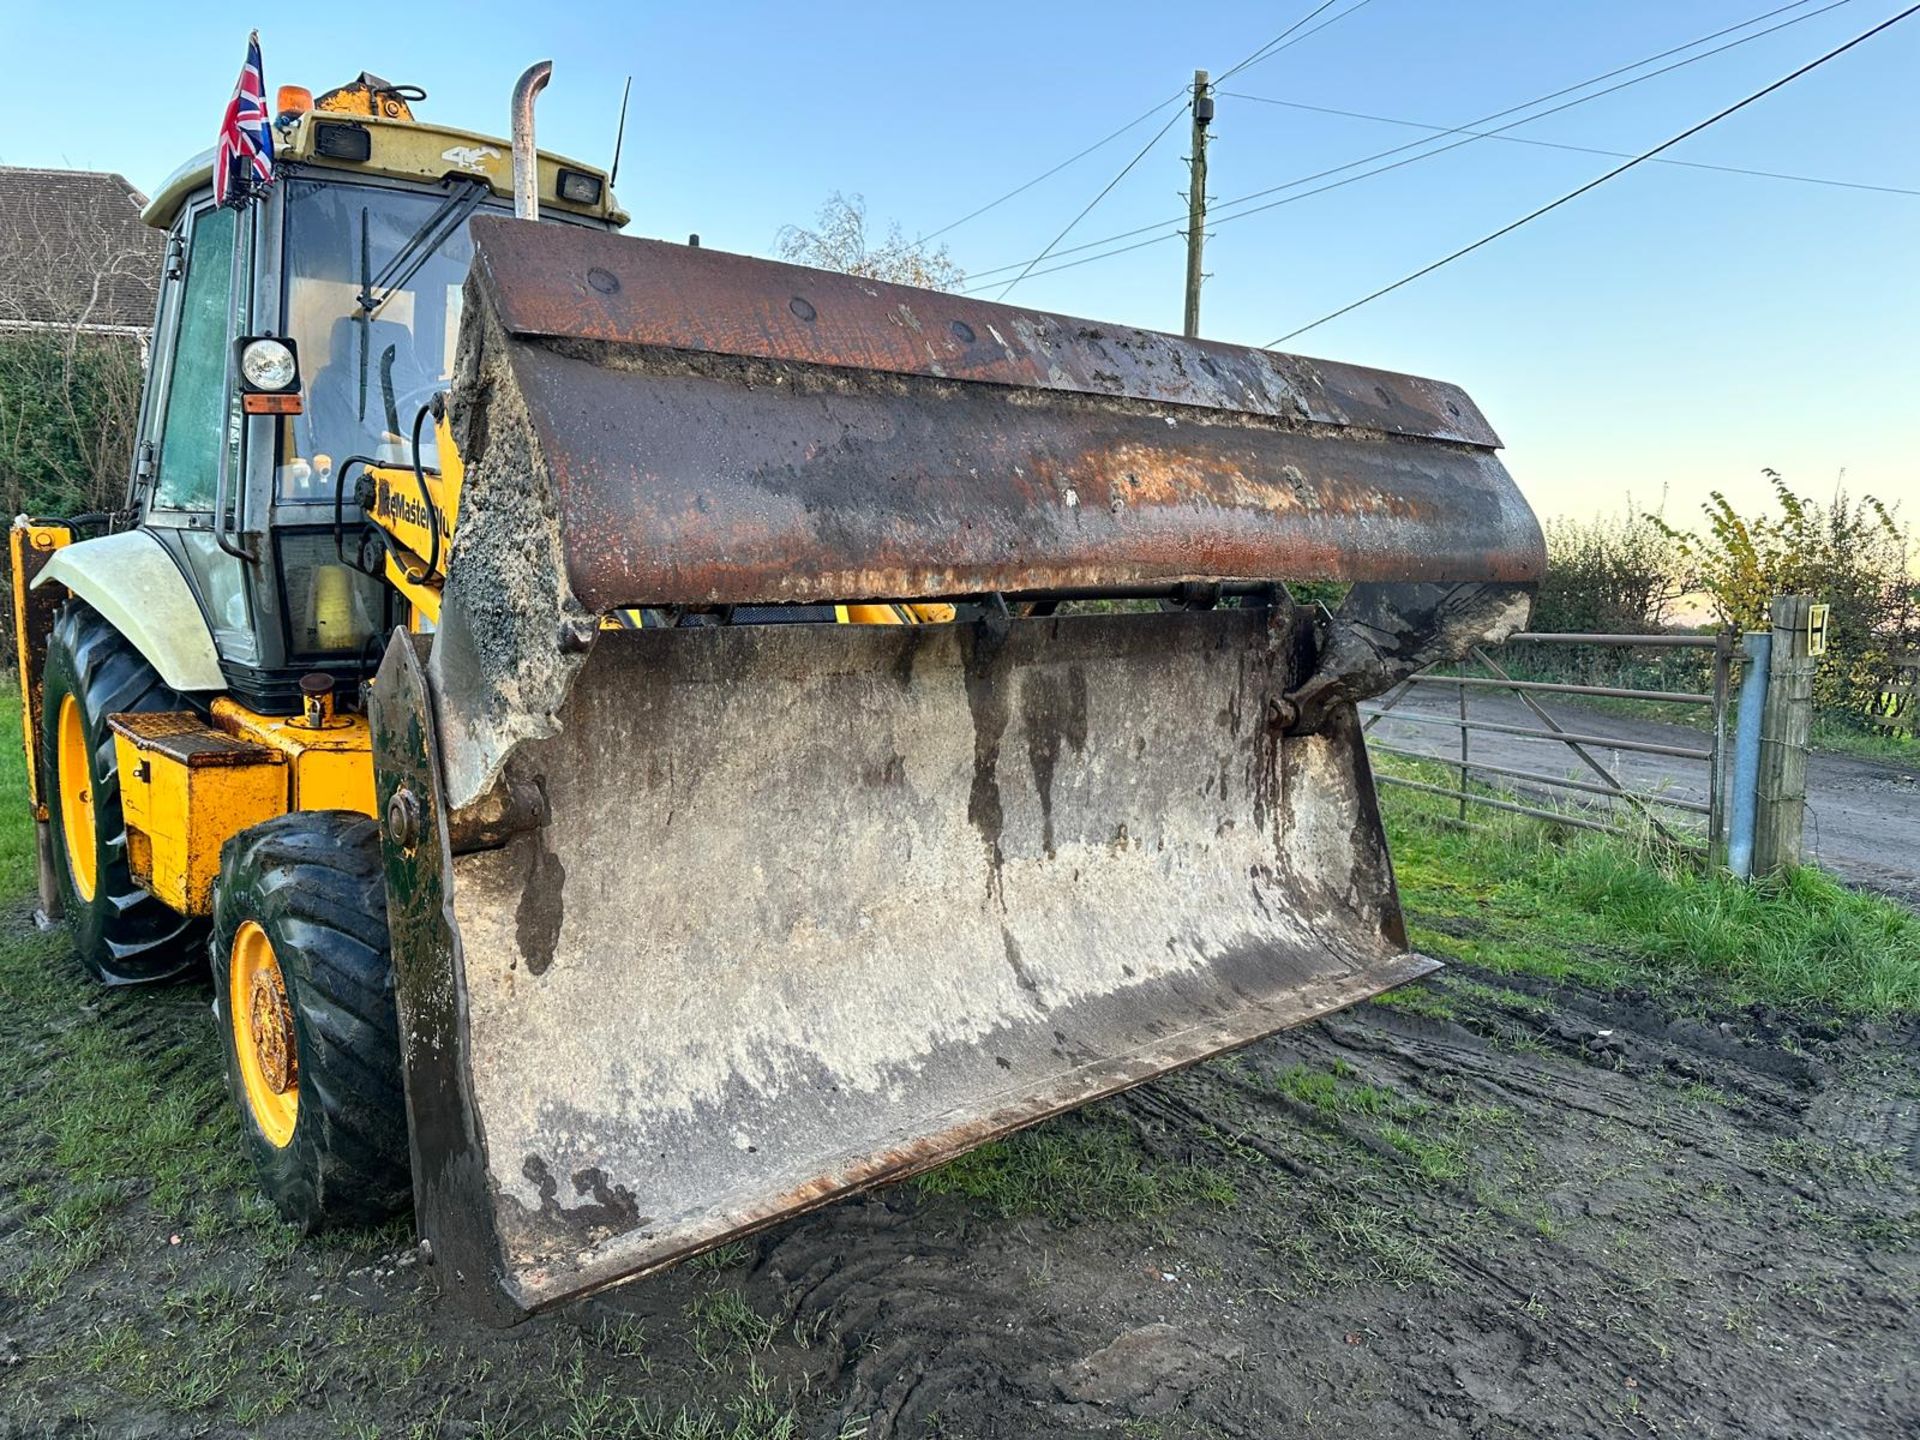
[{"x": 134, "y": 584}]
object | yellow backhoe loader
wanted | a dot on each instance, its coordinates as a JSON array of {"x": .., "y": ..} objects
[{"x": 651, "y": 740}]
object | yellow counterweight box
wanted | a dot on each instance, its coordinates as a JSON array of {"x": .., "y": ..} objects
[{"x": 185, "y": 789}]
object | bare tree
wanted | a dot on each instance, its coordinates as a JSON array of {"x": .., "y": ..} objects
[{"x": 838, "y": 241}]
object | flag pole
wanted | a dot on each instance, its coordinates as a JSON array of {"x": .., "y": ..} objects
[
  {"x": 241, "y": 193},
  {"x": 231, "y": 432}
]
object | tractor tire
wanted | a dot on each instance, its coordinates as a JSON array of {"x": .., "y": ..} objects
[
  {"x": 303, "y": 989},
  {"x": 123, "y": 934}
]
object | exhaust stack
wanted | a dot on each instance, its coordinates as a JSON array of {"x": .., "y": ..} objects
[{"x": 526, "y": 159}]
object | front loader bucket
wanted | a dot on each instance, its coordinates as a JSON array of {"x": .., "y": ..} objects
[
  {"x": 815, "y": 907},
  {"x": 700, "y": 926}
]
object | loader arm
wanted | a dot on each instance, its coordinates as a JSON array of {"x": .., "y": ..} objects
[{"x": 698, "y": 927}]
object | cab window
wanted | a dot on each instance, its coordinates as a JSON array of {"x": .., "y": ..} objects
[
  {"x": 196, "y": 421},
  {"x": 373, "y": 280}
]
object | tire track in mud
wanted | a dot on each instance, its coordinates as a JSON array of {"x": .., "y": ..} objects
[
  {"x": 1688, "y": 1203},
  {"x": 913, "y": 1321},
  {"x": 1582, "y": 1356},
  {"x": 1661, "y": 1218},
  {"x": 1632, "y": 1083},
  {"x": 153, "y": 1028}
]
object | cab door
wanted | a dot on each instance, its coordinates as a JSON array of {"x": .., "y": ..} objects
[{"x": 192, "y": 414}]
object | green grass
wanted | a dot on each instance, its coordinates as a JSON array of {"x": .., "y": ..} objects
[
  {"x": 721, "y": 1325},
  {"x": 1870, "y": 744},
  {"x": 17, "y": 865},
  {"x": 93, "y": 1140},
  {"x": 1428, "y": 1001},
  {"x": 1082, "y": 1167},
  {"x": 573, "y": 1406},
  {"x": 87, "y": 1120},
  {"x": 1842, "y": 1161},
  {"x": 729, "y": 1256},
  {"x": 1435, "y": 1141},
  {"x": 1379, "y": 1240},
  {"x": 1612, "y": 910},
  {"x": 1432, "y": 1159},
  {"x": 1336, "y": 1091}
]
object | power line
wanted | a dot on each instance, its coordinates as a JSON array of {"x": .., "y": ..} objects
[
  {"x": 1471, "y": 136},
  {"x": 1308, "y": 35},
  {"x": 1273, "y": 47},
  {"x": 1049, "y": 174},
  {"x": 1524, "y": 120},
  {"x": 1498, "y": 114},
  {"x": 1085, "y": 260},
  {"x": 1562, "y": 145},
  {"x": 1265, "y": 52},
  {"x": 1569, "y": 89},
  {"x": 1105, "y": 190},
  {"x": 1598, "y": 180}
]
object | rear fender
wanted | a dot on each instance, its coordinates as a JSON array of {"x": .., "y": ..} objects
[{"x": 33, "y": 543}]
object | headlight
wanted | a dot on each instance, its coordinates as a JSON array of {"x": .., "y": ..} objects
[
  {"x": 578, "y": 187},
  {"x": 268, "y": 365}
]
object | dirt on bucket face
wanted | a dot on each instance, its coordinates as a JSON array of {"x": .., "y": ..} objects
[{"x": 1487, "y": 1205}]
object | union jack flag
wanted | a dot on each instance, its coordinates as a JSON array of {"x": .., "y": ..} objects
[{"x": 243, "y": 160}]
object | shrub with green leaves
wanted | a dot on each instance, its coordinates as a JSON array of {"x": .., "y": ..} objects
[
  {"x": 1611, "y": 575},
  {"x": 1855, "y": 554},
  {"x": 69, "y": 407}
]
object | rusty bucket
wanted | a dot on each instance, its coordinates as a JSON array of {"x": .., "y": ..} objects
[{"x": 697, "y": 927}]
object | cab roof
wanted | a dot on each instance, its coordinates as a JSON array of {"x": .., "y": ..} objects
[{"x": 401, "y": 149}]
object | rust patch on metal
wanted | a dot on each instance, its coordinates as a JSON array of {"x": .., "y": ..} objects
[
  {"x": 699, "y": 444},
  {"x": 723, "y": 488},
  {"x": 270, "y": 1018},
  {"x": 183, "y": 736},
  {"x": 672, "y": 297}
]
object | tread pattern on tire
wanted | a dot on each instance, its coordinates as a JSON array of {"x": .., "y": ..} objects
[
  {"x": 125, "y": 936},
  {"x": 314, "y": 881}
]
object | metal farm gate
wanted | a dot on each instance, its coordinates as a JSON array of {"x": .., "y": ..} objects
[{"x": 1560, "y": 768}]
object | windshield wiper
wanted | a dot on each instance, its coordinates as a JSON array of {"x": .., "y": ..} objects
[
  {"x": 464, "y": 196},
  {"x": 434, "y": 231}
]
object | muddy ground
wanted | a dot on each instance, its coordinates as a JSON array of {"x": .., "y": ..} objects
[{"x": 1491, "y": 1206}]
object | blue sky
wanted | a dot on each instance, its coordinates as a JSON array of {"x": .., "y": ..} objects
[{"x": 1672, "y": 332}]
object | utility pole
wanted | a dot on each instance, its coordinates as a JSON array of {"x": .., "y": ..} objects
[{"x": 1197, "y": 197}]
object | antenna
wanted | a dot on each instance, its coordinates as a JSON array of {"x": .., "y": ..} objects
[{"x": 619, "y": 134}]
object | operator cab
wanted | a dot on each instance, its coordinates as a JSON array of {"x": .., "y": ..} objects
[{"x": 355, "y": 259}]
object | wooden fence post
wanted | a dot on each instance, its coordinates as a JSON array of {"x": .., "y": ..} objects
[{"x": 1785, "y": 726}]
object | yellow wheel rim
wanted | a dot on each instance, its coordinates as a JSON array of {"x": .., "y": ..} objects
[
  {"x": 262, "y": 1022},
  {"x": 75, "y": 780}
]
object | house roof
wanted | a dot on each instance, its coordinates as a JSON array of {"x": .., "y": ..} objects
[{"x": 73, "y": 250}]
